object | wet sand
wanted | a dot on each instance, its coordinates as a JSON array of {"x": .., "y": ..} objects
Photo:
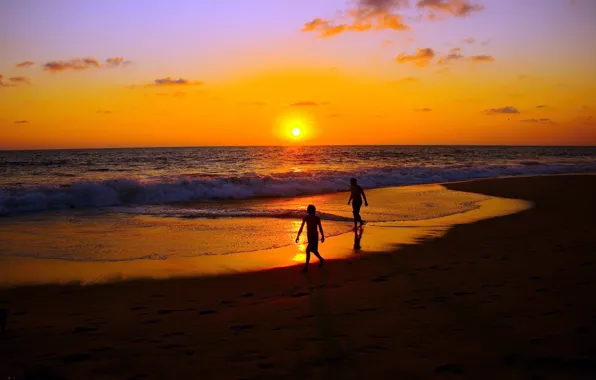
[{"x": 508, "y": 297}]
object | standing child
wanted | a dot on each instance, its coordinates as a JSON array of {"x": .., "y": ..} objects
[{"x": 312, "y": 222}]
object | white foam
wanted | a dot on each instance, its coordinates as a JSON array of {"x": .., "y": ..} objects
[{"x": 119, "y": 192}]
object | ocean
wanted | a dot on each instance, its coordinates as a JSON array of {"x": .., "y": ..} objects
[{"x": 159, "y": 203}]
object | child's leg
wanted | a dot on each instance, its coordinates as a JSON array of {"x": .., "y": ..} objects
[
  {"x": 307, "y": 258},
  {"x": 321, "y": 260}
]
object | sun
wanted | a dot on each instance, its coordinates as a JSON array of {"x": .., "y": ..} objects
[{"x": 295, "y": 128}]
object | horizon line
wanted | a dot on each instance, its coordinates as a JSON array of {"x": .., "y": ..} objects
[{"x": 296, "y": 145}]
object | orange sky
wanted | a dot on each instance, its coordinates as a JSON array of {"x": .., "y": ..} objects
[{"x": 363, "y": 72}]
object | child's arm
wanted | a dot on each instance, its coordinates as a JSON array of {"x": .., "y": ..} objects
[
  {"x": 364, "y": 196},
  {"x": 300, "y": 230},
  {"x": 322, "y": 233},
  {"x": 350, "y": 200}
]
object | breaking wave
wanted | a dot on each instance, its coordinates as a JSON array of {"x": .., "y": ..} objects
[{"x": 131, "y": 192}]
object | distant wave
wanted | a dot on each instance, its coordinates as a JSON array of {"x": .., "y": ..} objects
[{"x": 123, "y": 192}]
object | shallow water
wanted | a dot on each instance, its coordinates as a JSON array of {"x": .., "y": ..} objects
[
  {"x": 204, "y": 229},
  {"x": 109, "y": 247}
]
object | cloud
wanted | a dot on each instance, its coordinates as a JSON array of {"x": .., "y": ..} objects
[
  {"x": 541, "y": 120},
  {"x": 457, "y": 8},
  {"x": 502, "y": 110},
  {"x": 366, "y": 16},
  {"x": 469, "y": 40},
  {"x": 454, "y": 55},
  {"x": 356, "y": 21},
  {"x": 2, "y": 83},
  {"x": 169, "y": 81},
  {"x": 482, "y": 58},
  {"x": 25, "y": 64},
  {"x": 73, "y": 64},
  {"x": 19, "y": 80},
  {"x": 21, "y": 121},
  {"x": 421, "y": 58},
  {"x": 425, "y": 109},
  {"x": 83, "y": 64},
  {"x": 103, "y": 112},
  {"x": 542, "y": 106},
  {"x": 307, "y": 103},
  {"x": 370, "y": 15},
  {"x": 117, "y": 61}
]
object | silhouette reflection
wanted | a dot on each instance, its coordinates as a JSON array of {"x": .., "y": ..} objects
[{"x": 357, "y": 238}]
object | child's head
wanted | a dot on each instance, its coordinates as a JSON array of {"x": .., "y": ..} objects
[
  {"x": 353, "y": 181},
  {"x": 311, "y": 209}
]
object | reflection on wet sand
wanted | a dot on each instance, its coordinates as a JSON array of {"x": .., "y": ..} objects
[{"x": 380, "y": 237}]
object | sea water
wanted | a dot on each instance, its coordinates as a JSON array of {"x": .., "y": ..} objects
[{"x": 115, "y": 205}]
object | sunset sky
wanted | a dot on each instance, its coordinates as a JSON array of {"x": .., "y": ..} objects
[{"x": 78, "y": 73}]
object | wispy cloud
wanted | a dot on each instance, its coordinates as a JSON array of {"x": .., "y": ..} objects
[
  {"x": 458, "y": 8},
  {"x": 453, "y": 55},
  {"x": 117, "y": 61},
  {"x": 169, "y": 81},
  {"x": 367, "y": 15},
  {"x": 502, "y": 110},
  {"x": 425, "y": 109},
  {"x": 2, "y": 84},
  {"x": 421, "y": 58},
  {"x": 13, "y": 81},
  {"x": 73, "y": 64},
  {"x": 83, "y": 64},
  {"x": 19, "y": 80},
  {"x": 21, "y": 121},
  {"x": 541, "y": 120},
  {"x": 482, "y": 58},
  {"x": 103, "y": 112},
  {"x": 25, "y": 64},
  {"x": 469, "y": 40}
]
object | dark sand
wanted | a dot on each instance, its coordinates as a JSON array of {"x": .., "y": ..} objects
[{"x": 505, "y": 298}]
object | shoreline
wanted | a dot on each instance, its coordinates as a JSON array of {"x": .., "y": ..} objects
[
  {"x": 505, "y": 297},
  {"x": 31, "y": 271}
]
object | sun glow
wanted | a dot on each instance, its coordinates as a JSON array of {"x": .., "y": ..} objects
[{"x": 295, "y": 128}]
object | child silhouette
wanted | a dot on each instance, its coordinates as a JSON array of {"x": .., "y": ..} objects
[{"x": 312, "y": 222}]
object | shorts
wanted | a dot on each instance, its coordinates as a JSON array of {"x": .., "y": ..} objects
[{"x": 313, "y": 244}]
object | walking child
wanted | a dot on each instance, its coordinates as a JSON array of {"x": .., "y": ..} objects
[
  {"x": 356, "y": 195},
  {"x": 312, "y": 222}
]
